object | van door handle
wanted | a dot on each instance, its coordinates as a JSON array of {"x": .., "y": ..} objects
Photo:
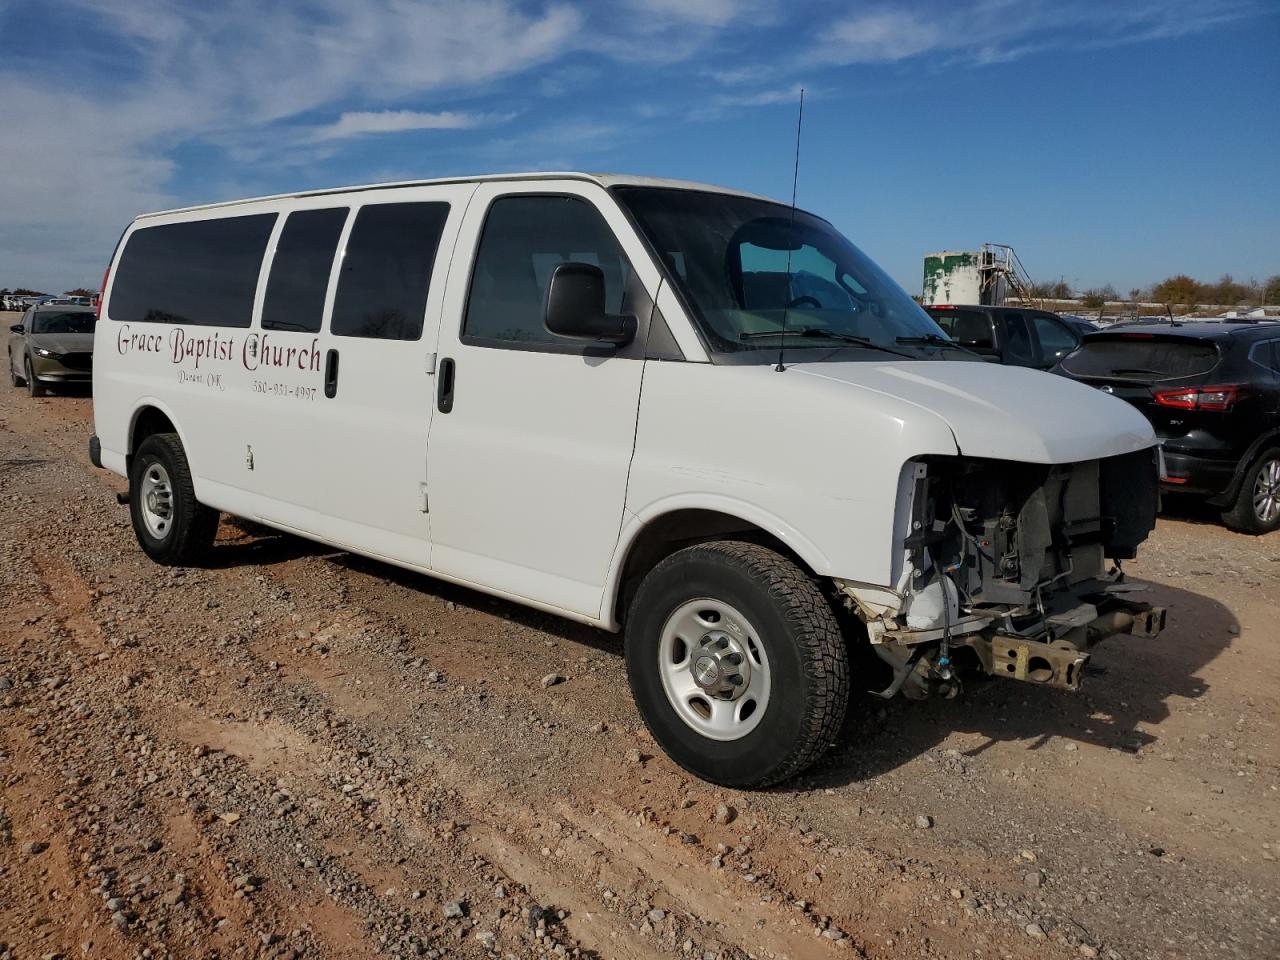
[
  {"x": 444, "y": 386},
  {"x": 331, "y": 374}
]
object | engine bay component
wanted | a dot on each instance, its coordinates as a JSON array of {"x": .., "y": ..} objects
[{"x": 1009, "y": 560}]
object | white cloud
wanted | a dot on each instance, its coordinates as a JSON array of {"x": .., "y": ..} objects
[
  {"x": 708, "y": 12},
  {"x": 358, "y": 123},
  {"x": 94, "y": 154},
  {"x": 764, "y": 98},
  {"x": 882, "y": 37},
  {"x": 988, "y": 31}
]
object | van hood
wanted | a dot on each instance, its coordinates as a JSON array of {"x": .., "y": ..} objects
[{"x": 1004, "y": 413}]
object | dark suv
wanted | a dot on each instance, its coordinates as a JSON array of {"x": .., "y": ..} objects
[
  {"x": 1017, "y": 336},
  {"x": 1212, "y": 392}
]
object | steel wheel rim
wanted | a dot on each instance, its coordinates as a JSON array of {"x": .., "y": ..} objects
[
  {"x": 714, "y": 669},
  {"x": 156, "y": 499},
  {"x": 1266, "y": 492}
]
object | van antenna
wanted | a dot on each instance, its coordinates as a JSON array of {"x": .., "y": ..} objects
[{"x": 795, "y": 179}]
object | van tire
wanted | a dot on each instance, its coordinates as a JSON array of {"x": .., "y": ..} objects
[
  {"x": 806, "y": 656},
  {"x": 189, "y": 526},
  {"x": 1242, "y": 515},
  {"x": 34, "y": 387}
]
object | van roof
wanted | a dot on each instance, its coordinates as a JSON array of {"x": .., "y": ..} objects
[{"x": 605, "y": 180}]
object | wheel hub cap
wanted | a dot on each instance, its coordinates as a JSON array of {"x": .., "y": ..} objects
[
  {"x": 714, "y": 670},
  {"x": 156, "y": 501},
  {"x": 721, "y": 667}
]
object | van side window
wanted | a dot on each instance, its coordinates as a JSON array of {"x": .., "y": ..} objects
[
  {"x": 300, "y": 270},
  {"x": 386, "y": 271},
  {"x": 524, "y": 239},
  {"x": 202, "y": 272}
]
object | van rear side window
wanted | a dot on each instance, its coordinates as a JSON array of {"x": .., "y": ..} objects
[
  {"x": 202, "y": 272},
  {"x": 300, "y": 270},
  {"x": 386, "y": 270}
]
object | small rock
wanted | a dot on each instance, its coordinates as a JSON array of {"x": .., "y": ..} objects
[
  {"x": 120, "y": 919},
  {"x": 1034, "y": 879},
  {"x": 1028, "y": 855},
  {"x": 455, "y": 909},
  {"x": 152, "y": 845},
  {"x": 634, "y": 756},
  {"x": 551, "y": 679},
  {"x": 656, "y": 915},
  {"x": 957, "y": 893},
  {"x": 487, "y": 939},
  {"x": 599, "y": 727},
  {"x": 1088, "y": 951},
  {"x": 500, "y": 892},
  {"x": 924, "y": 822},
  {"x": 724, "y": 814},
  {"x": 35, "y": 847},
  {"x": 116, "y": 904},
  {"x": 1035, "y": 931},
  {"x": 229, "y": 817},
  {"x": 172, "y": 898}
]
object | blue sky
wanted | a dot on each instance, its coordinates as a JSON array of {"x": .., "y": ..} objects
[{"x": 1110, "y": 141}]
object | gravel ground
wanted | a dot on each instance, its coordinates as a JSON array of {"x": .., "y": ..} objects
[{"x": 293, "y": 752}]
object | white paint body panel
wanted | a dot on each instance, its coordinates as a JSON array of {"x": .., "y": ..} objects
[
  {"x": 551, "y": 464},
  {"x": 1001, "y": 412}
]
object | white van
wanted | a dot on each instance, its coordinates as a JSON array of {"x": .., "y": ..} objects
[{"x": 682, "y": 411}]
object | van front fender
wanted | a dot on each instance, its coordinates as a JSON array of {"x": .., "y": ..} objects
[{"x": 744, "y": 513}]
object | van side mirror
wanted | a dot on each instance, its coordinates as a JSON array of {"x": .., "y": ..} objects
[
  {"x": 15, "y": 328},
  {"x": 575, "y": 306}
]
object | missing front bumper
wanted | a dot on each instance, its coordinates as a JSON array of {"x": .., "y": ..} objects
[
  {"x": 920, "y": 662},
  {"x": 1060, "y": 663}
]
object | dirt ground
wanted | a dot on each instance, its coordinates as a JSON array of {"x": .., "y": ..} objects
[{"x": 293, "y": 752}]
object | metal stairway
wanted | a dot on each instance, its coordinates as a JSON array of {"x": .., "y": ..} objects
[{"x": 1001, "y": 275}]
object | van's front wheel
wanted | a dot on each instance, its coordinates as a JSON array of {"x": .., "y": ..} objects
[
  {"x": 737, "y": 663},
  {"x": 171, "y": 525}
]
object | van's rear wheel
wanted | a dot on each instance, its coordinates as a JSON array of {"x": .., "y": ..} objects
[
  {"x": 171, "y": 525},
  {"x": 737, "y": 663},
  {"x": 1257, "y": 506}
]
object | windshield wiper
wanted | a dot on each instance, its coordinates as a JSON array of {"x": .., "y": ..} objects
[
  {"x": 933, "y": 340},
  {"x": 816, "y": 333}
]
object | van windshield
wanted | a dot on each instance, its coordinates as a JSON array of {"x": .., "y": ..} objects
[{"x": 743, "y": 265}]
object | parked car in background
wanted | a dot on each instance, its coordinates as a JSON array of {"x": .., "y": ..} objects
[
  {"x": 51, "y": 345},
  {"x": 1212, "y": 392},
  {"x": 1014, "y": 336}
]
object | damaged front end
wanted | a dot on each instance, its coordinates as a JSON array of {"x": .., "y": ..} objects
[{"x": 1009, "y": 560}]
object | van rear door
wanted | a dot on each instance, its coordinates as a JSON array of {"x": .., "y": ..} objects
[
  {"x": 347, "y": 458},
  {"x": 532, "y": 438}
]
